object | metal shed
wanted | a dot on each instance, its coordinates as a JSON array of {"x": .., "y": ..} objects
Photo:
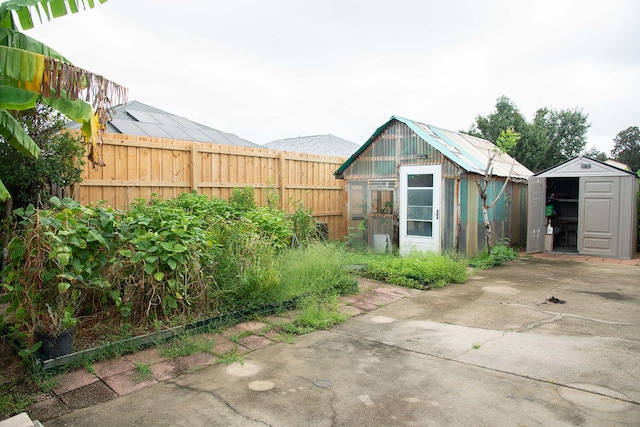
[
  {"x": 413, "y": 185},
  {"x": 583, "y": 206}
]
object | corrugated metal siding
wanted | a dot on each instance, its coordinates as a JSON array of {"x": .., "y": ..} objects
[
  {"x": 449, "y": 232},
  {"x": 522, "y": 211},
  {"x": 463, "y": 237},
  {"x": 502, "y": 214},
  {"x": 396, "y": 145}
]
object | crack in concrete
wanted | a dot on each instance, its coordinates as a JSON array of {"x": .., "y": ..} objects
[
  {"x": 334, "y": 413},
  {"x": 486, "y": 368},
  {"x": 332, "y": 401},
  {"x": 481, "y": 344},
  {"x": 220, "y": 399},
  {"x": 558, "y": 316}
]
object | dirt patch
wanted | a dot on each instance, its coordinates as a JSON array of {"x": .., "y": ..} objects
[{"x": 17, "y": 387}]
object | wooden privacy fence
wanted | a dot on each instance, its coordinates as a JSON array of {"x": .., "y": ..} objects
[{"x": 137, "y": 167}]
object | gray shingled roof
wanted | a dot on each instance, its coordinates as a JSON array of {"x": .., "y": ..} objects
[
  {"x": 327, "y": 145},
  {"x": 136, "y": 118}
]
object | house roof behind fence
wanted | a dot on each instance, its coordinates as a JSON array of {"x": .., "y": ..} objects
[
  {"x": 326, "y": 145},
  {"x": 136, "y": 118},
  {"x": 468, "y": 152}
]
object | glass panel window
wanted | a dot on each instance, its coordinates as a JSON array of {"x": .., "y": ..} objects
[
  {"x": 420, "y": 197},
  {"x": 421, "y": 213},
  {"x": 420, "y": 180},
  {"x": 420, "y": 228}
]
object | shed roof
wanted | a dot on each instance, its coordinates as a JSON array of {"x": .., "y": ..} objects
[
  {"x": 136, "y": 118},
  {"x": 582, "y": 166},
  {"x": 327, "y": 145},
  {"x": 468, "y": 152}
]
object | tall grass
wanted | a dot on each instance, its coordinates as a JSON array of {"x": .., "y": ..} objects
[
  {"x": 316, "y": 270},
  {"x": 415, "y": 270}
]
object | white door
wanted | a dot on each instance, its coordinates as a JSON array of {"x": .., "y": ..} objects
[
  {"x": 598, "y": 216},
  {"x": 420, "y": 208},
  {"x": 536, "y": 219}
]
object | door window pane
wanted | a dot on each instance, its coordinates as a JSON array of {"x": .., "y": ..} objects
[
  {"x": 420, "y": 197},
  {"x": 420, "y": 180},
  {"x": 424, "y": 213},
  {"x": 420, "y": 228}
]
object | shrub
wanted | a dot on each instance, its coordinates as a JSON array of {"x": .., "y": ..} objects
[
  {"x": 245, "y": 274},
  {"x": 33, "y": 181},
  {"x": 304, "y": 226},
  {"x": 500, "y": 254},
  {"x": 272, "y": 225},
  {"x": 242, "y": 200},
  {"x": 56, "y": 267},
  {"x": 163, "y": 256}
]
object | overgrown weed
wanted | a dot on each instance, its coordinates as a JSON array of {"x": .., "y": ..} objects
[
  {"x": 187, "y": 345},
  {"x": 143, "y": 371},
  {"x": 316, "y": 270},
  {"x": 500, "y": 254},
  {"x": 231, "y": 356},
  {"x": 415, "y": 270},
  {"x": 320, "y": 314}
]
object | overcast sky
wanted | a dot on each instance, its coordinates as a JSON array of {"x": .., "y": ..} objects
[{"x": 273, "y": 69}]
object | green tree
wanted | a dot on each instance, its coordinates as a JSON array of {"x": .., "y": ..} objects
[
  {"x": 565, "y": 132},
  {"x": 30, "y": 71},
  {"x": 31, "y": 180},
  {"x": 532, "y": 147},
  {"x": 626, "y": 147},
  {"x": 552, "y": 137},
  {"x": 505, "y": 116},
  {"x": 594, "y": 153}
]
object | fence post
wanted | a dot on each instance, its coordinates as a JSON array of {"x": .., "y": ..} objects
[
  {"x": 281, "y": 184},
  {"x": 194, "y": 167}
]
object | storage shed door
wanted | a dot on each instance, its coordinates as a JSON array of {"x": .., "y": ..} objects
[
  {"x": 536, "y": 220},
  {"x": 598, "y": 216}
]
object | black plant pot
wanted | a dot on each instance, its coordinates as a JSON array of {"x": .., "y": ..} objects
[{"x": 55, "y": 345}]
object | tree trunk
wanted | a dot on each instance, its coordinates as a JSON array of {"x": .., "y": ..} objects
[{"x": 487, "y": 225}]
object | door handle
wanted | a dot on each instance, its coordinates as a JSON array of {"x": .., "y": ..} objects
[{"x": 437, "y": 213}]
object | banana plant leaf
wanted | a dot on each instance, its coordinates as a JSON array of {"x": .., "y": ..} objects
[
  {"x": 13, "y": 98},
  {"x": 12, "y": 131},
  {"x": 24, "y": 68},
  {"x": 4, "y": 193},
  {"x": 24, "y": 9},
  {"x": 30, "y": 70},
  {"x": 18, "y": 40},
  {"x": 78, "y": 111}
]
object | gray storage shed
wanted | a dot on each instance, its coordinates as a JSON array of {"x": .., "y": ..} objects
[{"x": 591, "y": 207}]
